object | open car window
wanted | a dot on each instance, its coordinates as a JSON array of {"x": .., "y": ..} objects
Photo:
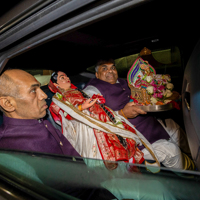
[{"x": 58, "y": 177}]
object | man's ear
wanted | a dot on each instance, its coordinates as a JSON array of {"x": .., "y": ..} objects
[
  {"x": 96, "y": 74},
  {"x": 7, "y": 103}
]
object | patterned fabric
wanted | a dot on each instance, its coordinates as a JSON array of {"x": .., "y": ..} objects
[
  {"x": 135, "y": 70},
  {"x": 109, "y": 145}
]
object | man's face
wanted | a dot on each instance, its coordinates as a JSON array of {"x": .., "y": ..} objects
[
  {"x": 63, "y": 81},
  {"x": 30, "y": 103},
  {"x": 108, "y": 73}
]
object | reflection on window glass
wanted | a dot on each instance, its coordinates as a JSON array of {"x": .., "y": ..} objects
[{"x": 59, "y": 176}]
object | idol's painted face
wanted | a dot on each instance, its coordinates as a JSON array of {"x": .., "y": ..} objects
[
  {"x": 63, "y": 81},
  {"x": 108, "y": 73}
]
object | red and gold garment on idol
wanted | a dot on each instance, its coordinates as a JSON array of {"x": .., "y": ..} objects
[{"x": 112, "y": 147}]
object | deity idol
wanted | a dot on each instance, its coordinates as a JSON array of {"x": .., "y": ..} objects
[{"x": 93, "y": 129}]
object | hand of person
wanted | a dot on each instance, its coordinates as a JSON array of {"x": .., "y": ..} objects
[
  {"x": 130, "y": 110},
  {"x": 88, "y": 103}
]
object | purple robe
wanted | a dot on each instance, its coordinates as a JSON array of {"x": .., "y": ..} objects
[
  {"x": 117, "y": 96},
  {"x": 34, "y": 135}
]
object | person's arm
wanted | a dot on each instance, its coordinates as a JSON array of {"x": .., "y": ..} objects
[{"x": 130, "y": 110}]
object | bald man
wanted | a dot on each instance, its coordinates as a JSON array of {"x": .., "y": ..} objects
[{"x": 23, "y": 104}]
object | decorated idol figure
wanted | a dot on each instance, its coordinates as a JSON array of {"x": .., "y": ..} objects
[{"x": 93, "y": 129}]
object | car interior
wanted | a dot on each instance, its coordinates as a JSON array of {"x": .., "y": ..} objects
[{"x": 72, "y": 39}]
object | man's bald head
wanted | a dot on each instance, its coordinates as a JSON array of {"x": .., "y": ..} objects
[{"x": 8, "y": 86}]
